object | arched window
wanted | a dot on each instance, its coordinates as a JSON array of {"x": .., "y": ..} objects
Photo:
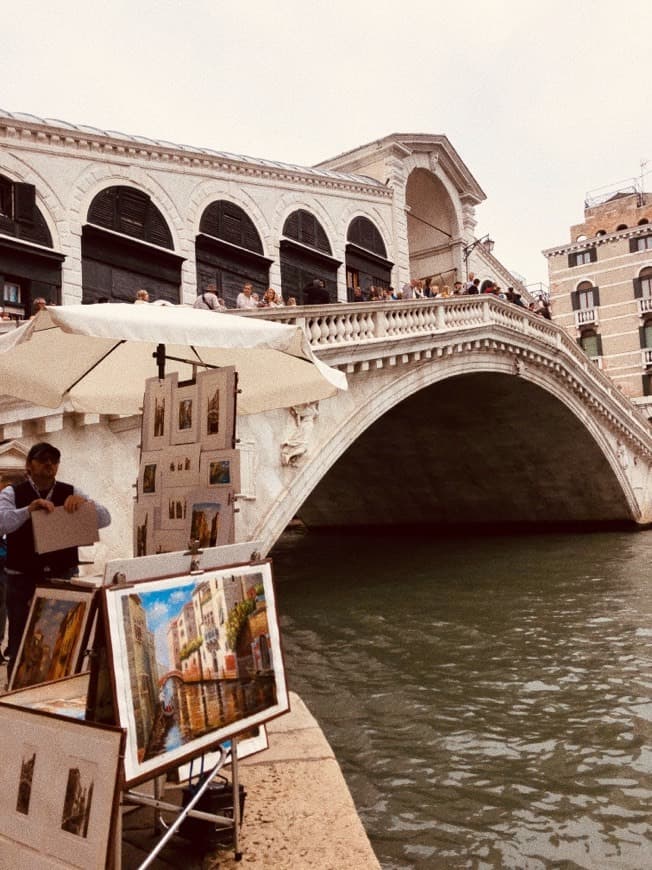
[
  {"x": 306, "y": 256},
  {"x": 131, "y": 212},
  {"x": 621, "y": 227},
  {"x": 366, "y": 258},
  {"x": 27, "y": 271},
  {"x": 601, "y": 233},
  {"x": 643, "y": 284},
  {"x": 229, "y": 252},
  {"x": 137, "y": 252},
  {"x": 304, "y": 227},
  {"x": 585, "y": 296},
  {"x": 591, "y": 343},
  {"x": 643, "y": 221}
]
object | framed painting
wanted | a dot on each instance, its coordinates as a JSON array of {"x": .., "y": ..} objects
[
  {"x": 59, "y": 790},
  {"x": 210, "y": 512},
  {"x": 174, "y": 508},
  {"x": 65, "y": 697},
  {"x": 53, "y": 640},
  {"x": 220, "y": 468},
  {"x": 185, "y": 417},
  {"x": 217, "y": 399},
  {"x": 150, "y": 476},
  {"x": 196, "y": 659},
  {"x": 180, "y": 465},
  {"x": 144, "y": 529},
  {"x": 157, "y": 412}
]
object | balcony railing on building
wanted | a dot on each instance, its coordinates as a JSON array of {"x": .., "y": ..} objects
[
  {"x": 586, "y": 317},
  {"x": 646, "y": 354},
  {"x": 645, "y": 305}
]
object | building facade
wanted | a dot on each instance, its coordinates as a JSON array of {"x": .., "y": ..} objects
[
  {"x": 601, "y": 289},
  {"x": 89, "y": 215}
]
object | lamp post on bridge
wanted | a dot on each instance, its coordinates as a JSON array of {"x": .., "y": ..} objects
[{"x": 488, "y": 244}]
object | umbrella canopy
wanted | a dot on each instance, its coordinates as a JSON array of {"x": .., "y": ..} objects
[{"x": 99, "y": 356}]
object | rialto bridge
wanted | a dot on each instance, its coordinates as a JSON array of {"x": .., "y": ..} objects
[{"x": 459, "y": 412}]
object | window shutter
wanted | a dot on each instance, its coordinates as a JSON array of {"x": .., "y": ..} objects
[
  {"x": 572, "y": 260},
  {"x": 647, "y": 381},
  {"x": 633, "y": 246},
  {"x": 593, "y": 253},
  {"x": 575, "y": 300},
  {"x": 596, "y": 296},
  {"x": 598, "y": 342},
  {"x": 638, "y": 289},
  {"x": 24, "y": 203}
]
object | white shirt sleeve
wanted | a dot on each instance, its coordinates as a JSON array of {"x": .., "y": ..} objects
[{"x": 12, "y": 518}]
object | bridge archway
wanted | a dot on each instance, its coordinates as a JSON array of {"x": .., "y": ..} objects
[
  {"x": 431, "y": 226},
  {"x": 483, "y": 448}
]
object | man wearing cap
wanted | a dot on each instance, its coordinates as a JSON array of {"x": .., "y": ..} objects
[{"x": 25, "y": 568}]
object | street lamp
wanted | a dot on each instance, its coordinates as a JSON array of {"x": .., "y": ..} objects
[{"x": 485, "y": 241}]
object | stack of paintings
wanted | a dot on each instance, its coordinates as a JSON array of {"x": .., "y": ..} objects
[{"x": 189, "y": 468}]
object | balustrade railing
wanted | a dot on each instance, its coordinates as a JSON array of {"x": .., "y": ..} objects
[{"x": 346, "y": 324}]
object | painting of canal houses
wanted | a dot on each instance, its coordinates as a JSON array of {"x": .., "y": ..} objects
[{"x": 196, "y": 660}]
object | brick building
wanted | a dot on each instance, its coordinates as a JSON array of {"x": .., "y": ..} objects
[{"x": 601, "y": 288}]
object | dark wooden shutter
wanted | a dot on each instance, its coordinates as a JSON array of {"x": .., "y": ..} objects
[
  {"x": 24, "y": 203},
  {"x": 596, "y": 297},
  {"x": 575, "y": 300},
  {"x": 647, "y": 385},
  {"x": 593, "y": 253},
  {"x": 638, "y": 288},
  {"x": 599, "y": 344}
]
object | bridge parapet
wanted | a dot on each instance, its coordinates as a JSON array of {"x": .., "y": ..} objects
[{"x": 358, "y": 336}]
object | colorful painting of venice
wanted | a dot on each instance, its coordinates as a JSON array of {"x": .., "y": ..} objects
[{"x": 196, "y": 659}]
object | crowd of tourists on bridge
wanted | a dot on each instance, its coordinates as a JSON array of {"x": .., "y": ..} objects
[{"x": 315, "y": 293}]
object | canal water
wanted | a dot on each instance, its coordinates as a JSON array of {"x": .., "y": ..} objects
[{"x": 488, "y": 698}]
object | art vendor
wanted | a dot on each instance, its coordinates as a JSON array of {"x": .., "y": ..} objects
[{"x": 25, "y": 568}]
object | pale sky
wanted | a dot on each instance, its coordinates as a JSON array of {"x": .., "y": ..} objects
[{"x": 543, "y": 101}]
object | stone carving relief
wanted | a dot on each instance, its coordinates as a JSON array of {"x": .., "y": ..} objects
[{"x": 299, "y": 433}]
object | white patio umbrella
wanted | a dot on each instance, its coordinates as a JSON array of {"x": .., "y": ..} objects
[{"x": 98, "y": 357}]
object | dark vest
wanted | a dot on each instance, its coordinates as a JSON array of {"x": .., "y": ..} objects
[{"x": 20, "y": 544}]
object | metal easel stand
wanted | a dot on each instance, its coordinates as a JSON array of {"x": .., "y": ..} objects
[{"x": 139, "y": 799}]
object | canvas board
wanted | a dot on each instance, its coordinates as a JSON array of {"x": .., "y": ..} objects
[
  {"x": 59, "y": 784},
  {"x": 220, "y": 468},
  {"x": 54, "y": 635},
  {"x": 57, "y": 529},
  {"x": 174, "y": 508},
  {"x": 144, "y": 526},
  {"x": 157, "y": 412},
  {"x": 185, "y": 414},
  {"x": 196, "y": 659},
  {"x": 65, "y": 697},
  {"x": 150, "y": 476},
  {"x": 217, "y": 400},
  {"x": 180, "y": 465},
  {"x": 210, "y": 513}
]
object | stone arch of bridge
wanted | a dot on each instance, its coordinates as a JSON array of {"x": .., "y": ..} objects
[{"x": 527, "y": 437}]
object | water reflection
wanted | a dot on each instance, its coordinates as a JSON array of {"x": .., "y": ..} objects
[{"x": 490, "y": 700}]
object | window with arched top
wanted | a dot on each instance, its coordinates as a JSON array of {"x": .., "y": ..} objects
[
  {"x": 229, "y": 252},
  {"x": 621, "y": 227},
  {"x": 127, "y": 246},
  {"x": 363, "y": 233},
  {"x": 29, "y": 268},
  {"x": 586, "y": 296},
  {"x": 306, "y": 260},
  {"x": 643, "y": 284},
  {"x": 601, "y": 233},
  {"x": 591, "y": 343},
  {"x": 304, "y": 227},
  {"x": 643, "y": 221},
  {"x": 131, "y": 212},
  {"x": 367, "y": 265}
]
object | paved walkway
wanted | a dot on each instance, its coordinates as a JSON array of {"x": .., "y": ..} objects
[{"x": 299, "y": 814}]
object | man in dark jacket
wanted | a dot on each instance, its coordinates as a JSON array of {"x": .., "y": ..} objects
[
  {"x": 315, "y": 293},
  {"x": 25, "y": 568}
]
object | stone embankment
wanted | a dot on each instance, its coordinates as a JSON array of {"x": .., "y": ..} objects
[{"x": 299, "y": 814}]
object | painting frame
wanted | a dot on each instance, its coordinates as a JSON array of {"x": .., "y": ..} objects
[
  {"x": 59, "y": 789},
  {"x": 186, "y": 460},
  {"x": 217, "y": 425},
  {"x": 157, "y": 412},
  {"x": 201, "y": 505},
  {"x": 65, "y": 627},
  {"x": 150, "y": 476},
  {"x": 184, "y": 426},
  {"x": 211, "y": 477},
  {"x": 241, "y": 661}
]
